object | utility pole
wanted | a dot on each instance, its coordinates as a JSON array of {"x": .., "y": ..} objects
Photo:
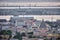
[
  {"x": 54, "y": 37},
  {"x": 52, "y": 18},
  {"x": 15, "y": 22}
]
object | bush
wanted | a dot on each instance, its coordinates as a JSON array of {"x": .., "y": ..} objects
[
  {"x": 30, "y": 33},
  {"x": 32, "y": 36},
  {"x": 23, "y": 34}
]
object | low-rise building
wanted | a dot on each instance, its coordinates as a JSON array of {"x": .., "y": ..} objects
[{"x": 4, "y": 24}]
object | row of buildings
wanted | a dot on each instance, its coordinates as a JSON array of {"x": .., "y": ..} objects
[{"x": 29, "y": 24}]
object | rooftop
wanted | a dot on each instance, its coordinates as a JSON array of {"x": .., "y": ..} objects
[{"x": 3, "y": 20}]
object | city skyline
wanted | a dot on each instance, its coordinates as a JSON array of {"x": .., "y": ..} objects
[{"x": 29, "y": 19}]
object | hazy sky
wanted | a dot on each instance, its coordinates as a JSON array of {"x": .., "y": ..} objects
[{"x": 31, "y": 0}]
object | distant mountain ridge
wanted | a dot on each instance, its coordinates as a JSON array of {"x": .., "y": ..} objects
[{"x": 30, "y": 11}]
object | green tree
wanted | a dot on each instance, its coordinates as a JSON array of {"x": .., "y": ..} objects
[
  {"x": 18, "y": 36},
  {"x": 6, "y": 32}
]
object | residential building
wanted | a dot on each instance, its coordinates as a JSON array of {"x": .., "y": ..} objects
[{"x": 4, "y": 24}]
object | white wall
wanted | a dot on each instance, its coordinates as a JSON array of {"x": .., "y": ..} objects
[{"x": 38, "y": 17}]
